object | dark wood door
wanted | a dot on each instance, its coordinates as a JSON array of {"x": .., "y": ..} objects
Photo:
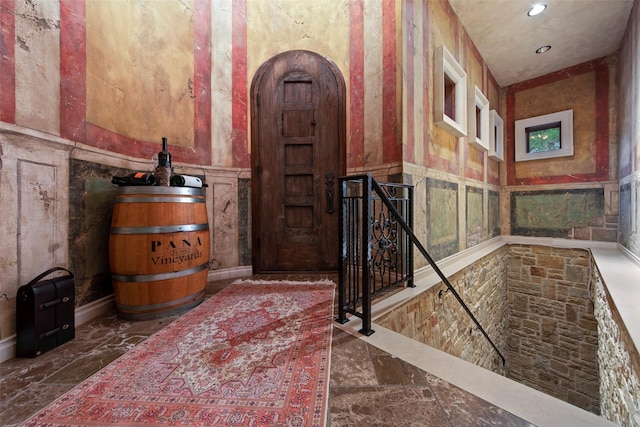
[{"x": 297, "y": 155}]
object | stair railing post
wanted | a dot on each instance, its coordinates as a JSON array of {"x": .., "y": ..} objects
[
  {"x": 367, "y": 200},
  {"x": 342, "y": 314},
  {"x": 408, "y": 238}
]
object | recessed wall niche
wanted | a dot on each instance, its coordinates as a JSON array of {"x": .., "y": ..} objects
[
  {"x": 450, "y": 109},
  {"x": 496, "y": 136},
  {"x": 478, "y": 118},
  {"x": 544, "y": 137}
]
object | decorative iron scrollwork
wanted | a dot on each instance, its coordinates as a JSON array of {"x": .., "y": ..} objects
[{"x": 384, "y": 244}]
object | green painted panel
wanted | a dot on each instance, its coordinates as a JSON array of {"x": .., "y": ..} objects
[
  {"x": 494, "y": 214},
  {"x": 553, "y": 213},
  {"x": 442, "y": 221},
  {"x": 474, "y": 209}
]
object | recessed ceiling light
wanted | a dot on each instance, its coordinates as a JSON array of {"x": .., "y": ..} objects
[
  {"x": 543, "y": 49},
  {"x": 537, "y": 9}
]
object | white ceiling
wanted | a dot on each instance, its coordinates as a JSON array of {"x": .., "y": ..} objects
[{"x": 577, "y": 30}]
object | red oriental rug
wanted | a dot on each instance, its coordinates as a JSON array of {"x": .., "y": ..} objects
[{"x": 255, "y": 354}]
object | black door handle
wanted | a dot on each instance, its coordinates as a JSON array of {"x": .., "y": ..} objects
[{"x": 329, "y": 183}]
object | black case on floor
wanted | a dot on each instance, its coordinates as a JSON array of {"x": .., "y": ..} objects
[{"x": 45, "y": 312}]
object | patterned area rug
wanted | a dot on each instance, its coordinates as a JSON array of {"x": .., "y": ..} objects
[{"x": 255, "y": 354}]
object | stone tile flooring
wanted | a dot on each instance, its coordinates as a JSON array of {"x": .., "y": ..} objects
[{"x": 368, "y": 386}]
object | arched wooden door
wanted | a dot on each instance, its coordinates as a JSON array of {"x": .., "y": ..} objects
[{"x": 298, "y": 151}]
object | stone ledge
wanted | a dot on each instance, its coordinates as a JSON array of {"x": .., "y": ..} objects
[{"x": 621, "y": 276}]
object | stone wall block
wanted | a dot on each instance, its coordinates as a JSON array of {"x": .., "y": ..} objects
[
  {"x": 555, "y": 274},
  {"x": 581, "y": 233},
  {"x": 544, "y": 250},
  {"x": 575, "y": 274},
  {"x": 559, "y": 367},
  {"x": 548, "y": 328},
  {"x": 538, "y": 271},
  {"x": 604, "y": 234},
  {"x": 550, "y": 261},
  {"x": 587, "y": 322}
]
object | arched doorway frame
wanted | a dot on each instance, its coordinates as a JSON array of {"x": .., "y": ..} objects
[{"x": 256, "y": 188}]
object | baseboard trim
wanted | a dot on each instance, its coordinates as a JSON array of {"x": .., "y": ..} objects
[
  {"x": 229, "y": 273},
  {"x": 82, "y": 315}
]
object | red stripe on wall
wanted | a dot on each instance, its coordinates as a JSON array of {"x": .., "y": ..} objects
[
  {"x": 202, "y": 82},
  {"x": 510, "y": 136},
  {"x": 409, "y": 154},
  {"x": 426, "y": 92},
  {"x": 73, "y": 70},
  {"x": 602, "y": 121},
  {"x": 601, "y": 70},
  {"x": 356, "y": 83},
  {"x": 240, "y": 101},
  {"x": 390, "y": 132},
  {"x": 7, "y": 61}
]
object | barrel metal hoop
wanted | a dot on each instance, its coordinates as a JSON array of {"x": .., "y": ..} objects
[
  {"x": 141, "y": 308},
  {"x": 168, "y": 191},
  {"x": 160, "y": 276},
  {"x": 160, "y": 229},
  {"x": 159, "y": 200}
]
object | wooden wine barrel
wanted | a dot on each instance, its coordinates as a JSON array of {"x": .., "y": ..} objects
[{"x": 158, "y": 250}]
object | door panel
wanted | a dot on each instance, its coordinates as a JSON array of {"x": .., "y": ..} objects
[{"x": 297, "y": 140}]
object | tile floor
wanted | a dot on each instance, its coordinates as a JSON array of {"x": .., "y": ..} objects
[{"x": 368, "y": 386}]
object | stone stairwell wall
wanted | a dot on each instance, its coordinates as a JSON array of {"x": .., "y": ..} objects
[
  {"x": 553, "y": 336},
  {"x": 548, "y": 311},
  {"x": 435, "y": 317},
  {"x": 619, "y": 361}
]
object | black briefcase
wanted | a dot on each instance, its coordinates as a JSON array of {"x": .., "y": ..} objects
[{"x": 45, "y": 310}]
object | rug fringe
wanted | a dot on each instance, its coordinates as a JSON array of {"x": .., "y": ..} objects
[{"x": 292, "y": 282}]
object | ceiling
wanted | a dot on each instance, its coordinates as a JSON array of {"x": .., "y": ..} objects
[{"x": 577, "y": 31}]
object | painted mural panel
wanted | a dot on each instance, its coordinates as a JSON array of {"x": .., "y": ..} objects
[
  {"x": 223, "y": 235},
  {"x": 494, "y": 213},
  {"x": 442, "y": 218},
  {"x": 625, "y": 220},
  {"x": 140, "y": 69},
  {"x": 577, "y": 93},
  {"x": 553, "y": 213},
  {"x": 91, "y": 197},
  {"x": 475, "y": 216},
  {"x": 36, "y": 184},
  {"x": 37, "y": 65}
]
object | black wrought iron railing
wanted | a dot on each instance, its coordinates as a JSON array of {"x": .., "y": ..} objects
[
  {"x": 376, "y": 253},
  {"x": 376, "y": 241}
]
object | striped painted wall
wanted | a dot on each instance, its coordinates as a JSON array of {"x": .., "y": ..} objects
[{"x": 58, "y": 74}]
